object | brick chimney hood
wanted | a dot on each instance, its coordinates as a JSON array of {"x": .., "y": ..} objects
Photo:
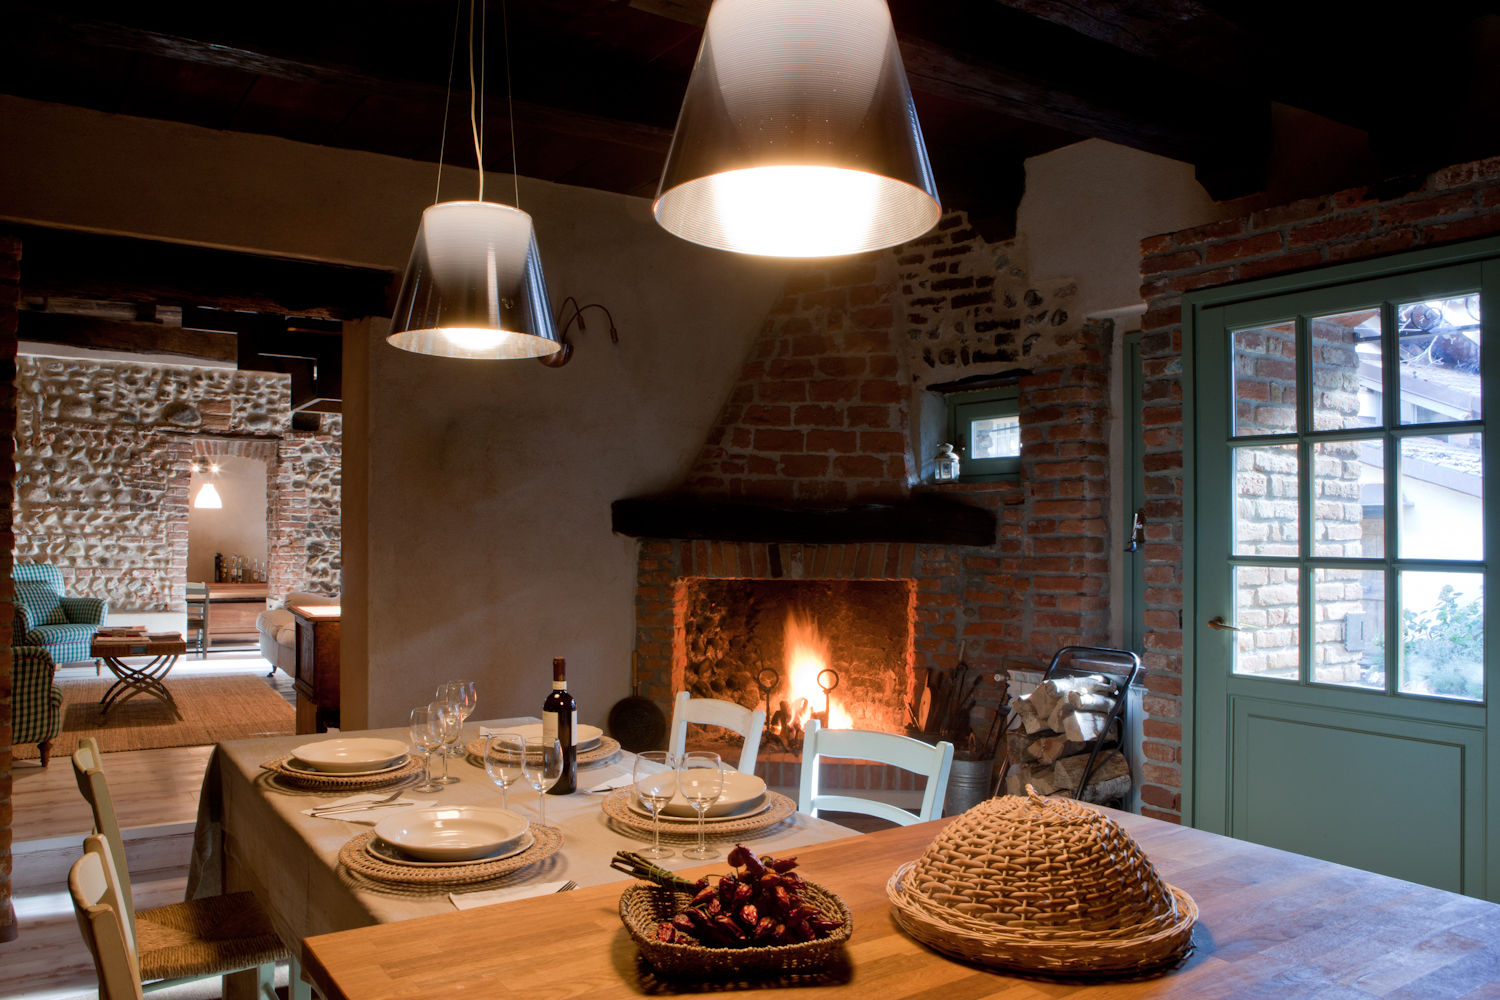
[{"x": 922, "y": 518}]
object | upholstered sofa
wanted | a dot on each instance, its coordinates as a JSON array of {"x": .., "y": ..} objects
[
  {"x": 64, "y": 626},
  {"x": 278, "y": 630},
  {"x": 35, "y": 700}
]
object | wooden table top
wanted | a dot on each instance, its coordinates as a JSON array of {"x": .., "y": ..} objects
[
  {"x": 136, "y": 646},
  {"x": 1271, "y": 925}
]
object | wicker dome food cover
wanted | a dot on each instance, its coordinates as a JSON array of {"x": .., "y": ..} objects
[{"x": 1046, "y": 884}]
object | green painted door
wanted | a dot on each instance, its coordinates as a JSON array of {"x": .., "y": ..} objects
[{"x": 1344, "y": 654}]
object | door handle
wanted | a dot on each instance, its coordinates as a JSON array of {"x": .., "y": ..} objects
[{"x": 1218, "y": 622}]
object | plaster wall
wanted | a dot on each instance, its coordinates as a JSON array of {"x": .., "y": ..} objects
[{"x": 479, "y": 544}]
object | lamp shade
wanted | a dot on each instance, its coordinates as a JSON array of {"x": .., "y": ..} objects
[
  {"x": 797, "y": 135},
  {"x": 208, "y": 497},
  {"x": 474, "y": 286}
]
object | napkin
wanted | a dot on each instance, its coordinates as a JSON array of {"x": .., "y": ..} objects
[
  {"x": 622, "y": 781},
  {"x": 469, "y": 900},
  {"x": 377, "y": 811}
]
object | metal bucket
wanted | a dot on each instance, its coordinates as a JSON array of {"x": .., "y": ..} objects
[{"x": 969, "y": 783}]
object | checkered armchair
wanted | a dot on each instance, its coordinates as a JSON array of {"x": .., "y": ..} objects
[
  {"x": 35, "y": 701},
  {"x": 47, "y": 617}
]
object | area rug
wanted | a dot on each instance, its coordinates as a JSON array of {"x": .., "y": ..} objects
[{"x": 213, "y": 709}]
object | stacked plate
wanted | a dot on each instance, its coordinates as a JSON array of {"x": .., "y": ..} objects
[
  {"x": 449, "y": 836},
  {"x": 348, "y": 757},
  {"x": 588, "y": 736},
  {"x": 743, "y": 795}
]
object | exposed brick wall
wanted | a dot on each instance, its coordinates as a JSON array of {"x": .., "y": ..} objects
[
  {"x": 823, "y": 415},
  {"x": 10, "y": 296},
  {"x": 104, "y": 450},
  {"x": 1456, "y": 203}
]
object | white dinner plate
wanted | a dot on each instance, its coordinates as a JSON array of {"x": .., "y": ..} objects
[
  {"x": 293, "y": 764},
  {"x": 456, "y": 833},
  {"x": 752, "y": 808},
  {"x": 742, "y": 793},
  {"x": 588, "y": 736},
  {"x": 390, "y": 854},
  {"x": 341, "y": 756}
]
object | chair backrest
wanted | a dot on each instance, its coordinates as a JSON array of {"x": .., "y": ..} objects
[
  {"x": 887, "y": 748},
  {"x": 96, "y": 903},
  {"x": 38, "y": 572},
  {"x": 749, "y": 723},
  {"x": 88, "y": 769}
]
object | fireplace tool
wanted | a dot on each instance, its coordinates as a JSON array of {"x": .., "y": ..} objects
[
  {"x": 827, "y": 689},
  {"x": 768, "y": 680}
]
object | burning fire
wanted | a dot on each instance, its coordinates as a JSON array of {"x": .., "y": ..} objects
[{"x": 806, "y": 652}]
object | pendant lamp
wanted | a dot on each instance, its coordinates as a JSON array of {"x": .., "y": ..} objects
[
  {"x": 208, "y": 497},
  {"x": 797, "y": 135},
  {"x": 473, "y": 286}
]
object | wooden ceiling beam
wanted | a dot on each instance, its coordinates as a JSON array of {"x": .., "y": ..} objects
[{"x": 64, "y": 330}]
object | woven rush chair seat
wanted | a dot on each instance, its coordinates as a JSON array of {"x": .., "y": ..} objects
[
  {"x": 205, "y": 937},
  {"x": 1042, "y": 884}
]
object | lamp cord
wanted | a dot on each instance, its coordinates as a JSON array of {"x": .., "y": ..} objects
[
  {"x": 458, "y": 10},
  {"x": 473, "y": 104},
  {"x": 510, "y": 108}
]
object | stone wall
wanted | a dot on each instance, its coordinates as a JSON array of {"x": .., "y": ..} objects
[
  {"x": 1456, "y": 203},
  {"x": 826, "y": 411},
  {"x": 103, "y": 456}
]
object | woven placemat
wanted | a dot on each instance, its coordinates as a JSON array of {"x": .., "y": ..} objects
[
  {"x": 341, "y": 782},
  {"x": 617, "y": 807},
  {"x": 606, "y": 749},
  {"x": 546, "y": 841}
]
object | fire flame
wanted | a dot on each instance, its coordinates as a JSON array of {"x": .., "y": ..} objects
[{"x": 807, "y": 655}]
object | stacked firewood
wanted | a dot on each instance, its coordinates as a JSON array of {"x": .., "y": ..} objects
[{"x": 1060, "y": 721}]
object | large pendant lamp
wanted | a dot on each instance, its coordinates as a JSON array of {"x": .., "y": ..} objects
[
  {"x": 474, "y": 286},
  {"x": 797, "y": 135}
]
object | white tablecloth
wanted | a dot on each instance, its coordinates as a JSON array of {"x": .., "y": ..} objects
[{"x": 252, "y": 835}]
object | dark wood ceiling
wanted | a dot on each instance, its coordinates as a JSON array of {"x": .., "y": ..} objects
[{"x": 597, "y": 83}]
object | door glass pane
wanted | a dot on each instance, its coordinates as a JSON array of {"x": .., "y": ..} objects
[
  {"x": 1442, "y": 634},
  {"x": 1349, "y": 642},
  {"x": 997, "y": 437},
  {"x": 1266, "y": 500},
  {"x": 1266, "y": 607},
  {"x": 1348, "y": 500},
  {"x": 1442, "y": 497},
  {"x": 1438, "y": 343},
  {"x": 1265, "y": 379},
  {"x": 1346, "y": 369}
]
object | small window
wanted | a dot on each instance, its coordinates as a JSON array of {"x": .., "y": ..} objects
[{"x": 986, "y": 429}]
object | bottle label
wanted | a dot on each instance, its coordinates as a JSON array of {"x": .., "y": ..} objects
[{"x": 549, "y": 727}]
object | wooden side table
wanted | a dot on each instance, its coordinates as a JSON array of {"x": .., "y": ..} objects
[
  {"x": 131, "y": 681},
  {"x": 316, "y": 676}
]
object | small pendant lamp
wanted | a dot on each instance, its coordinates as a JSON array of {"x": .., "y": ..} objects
[
  {"x": 797, "y": 135},
  {"x": 208, "y": 497},
  {"x": 473, "y": 286}
]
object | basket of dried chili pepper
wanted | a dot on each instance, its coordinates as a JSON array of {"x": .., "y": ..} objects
[{"x": 761, "y": 918}]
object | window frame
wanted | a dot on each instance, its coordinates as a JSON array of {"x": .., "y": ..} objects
[{"x": 964, "y": 409}]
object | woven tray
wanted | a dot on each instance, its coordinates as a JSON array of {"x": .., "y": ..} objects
[
  {"x": 643, "y": 907},
  {"x": 606, "y": 749},
  {"x": 341, "y": 782},
  {"x": 1043, "y": 885},
  {"x": 547, "y": 840},
  {"x": 617, "y": 807}
]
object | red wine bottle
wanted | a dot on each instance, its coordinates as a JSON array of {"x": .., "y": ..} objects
[{"x": 560, "y": 723}]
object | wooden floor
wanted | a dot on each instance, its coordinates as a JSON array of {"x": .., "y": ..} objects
[{"x": 155, "y": 793}]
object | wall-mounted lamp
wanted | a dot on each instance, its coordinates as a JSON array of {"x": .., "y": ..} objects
[{"x": 565, "y": 355}]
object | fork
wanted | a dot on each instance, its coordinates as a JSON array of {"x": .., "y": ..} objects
[
  {"x": 357, "y": 806},
  {"x": 567, "y": 886}
]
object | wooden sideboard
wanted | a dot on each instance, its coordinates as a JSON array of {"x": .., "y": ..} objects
[
  {"x": 232, "y": 610},
  {"x": 316, "y": 677}
]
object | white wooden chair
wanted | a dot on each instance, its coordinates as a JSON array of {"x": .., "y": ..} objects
[
  {"x": 176, "y": 944},
  {"x": 886, "y": 748},
  {"x": 749, "y": 723}
]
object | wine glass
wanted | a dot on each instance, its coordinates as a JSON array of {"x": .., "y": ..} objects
[
  {"x": 700, "y": 778},
  {"x": 426, "y": 739},
  {"x": 445, "y": 727},
  {"x": 462, "y": 697},
  {"x": 504, "y": 759},
  {"x": 542, "y": 769},
  {"x": 655, "y": 779}
]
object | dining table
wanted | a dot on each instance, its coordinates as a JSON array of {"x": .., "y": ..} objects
[
  {"x": 252, "y": 834},
  {"x": 1270, "y": 925}
]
